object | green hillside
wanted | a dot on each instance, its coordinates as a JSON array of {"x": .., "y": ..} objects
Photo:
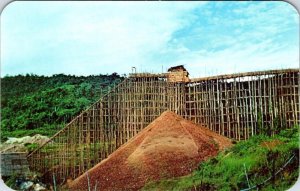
[{"x": 33, "y": 104}]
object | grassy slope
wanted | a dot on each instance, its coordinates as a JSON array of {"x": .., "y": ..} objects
[{"x": 227, "y": 170}]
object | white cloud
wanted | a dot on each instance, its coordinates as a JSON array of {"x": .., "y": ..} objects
[{"x": 96, "y": 34}]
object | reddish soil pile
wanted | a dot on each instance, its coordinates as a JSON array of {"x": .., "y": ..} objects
[{"x": 170, "y": 146}]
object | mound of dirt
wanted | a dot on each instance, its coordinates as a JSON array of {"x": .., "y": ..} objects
[{"x": 168, "y": 147}]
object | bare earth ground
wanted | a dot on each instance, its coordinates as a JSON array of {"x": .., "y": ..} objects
[{"x": 168, "y": 147}]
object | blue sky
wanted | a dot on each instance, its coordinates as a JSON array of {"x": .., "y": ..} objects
[{"x": 209, "y": 38}]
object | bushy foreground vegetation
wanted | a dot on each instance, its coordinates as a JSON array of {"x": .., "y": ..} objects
[
  {"x": 32, "y": 104},
  {"x": 262, "y": 162}
]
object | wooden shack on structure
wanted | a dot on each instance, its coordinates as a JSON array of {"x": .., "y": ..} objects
[{"x": 178, "y": 74}]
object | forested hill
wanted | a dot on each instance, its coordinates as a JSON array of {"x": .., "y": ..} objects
[{"x": 33, "y": 104}]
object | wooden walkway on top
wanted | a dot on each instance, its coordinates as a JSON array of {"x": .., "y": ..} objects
[
  {"x": 147, "y": 75},
  {"x": 245, "y": 74}
]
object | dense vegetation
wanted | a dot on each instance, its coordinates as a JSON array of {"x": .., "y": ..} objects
[
  {"x": 269, "y": 163},
  {"x": 33, "y": 104}
]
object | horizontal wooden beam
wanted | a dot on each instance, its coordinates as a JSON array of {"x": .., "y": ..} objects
[{"x": 245, "y": 74}]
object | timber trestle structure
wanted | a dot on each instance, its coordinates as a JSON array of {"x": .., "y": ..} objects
[{"x": 237, "y": 106}]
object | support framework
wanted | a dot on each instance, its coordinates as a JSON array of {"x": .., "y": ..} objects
[{"x": 237, "y": 106}]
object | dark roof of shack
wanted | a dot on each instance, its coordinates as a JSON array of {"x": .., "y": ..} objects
[{"x": 177, "y": 67}]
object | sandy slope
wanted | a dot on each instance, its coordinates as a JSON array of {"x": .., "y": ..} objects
[{"x": 170, "y": 146}]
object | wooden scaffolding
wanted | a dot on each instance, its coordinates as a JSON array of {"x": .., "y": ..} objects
[{"x": 237, "y": 106}]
